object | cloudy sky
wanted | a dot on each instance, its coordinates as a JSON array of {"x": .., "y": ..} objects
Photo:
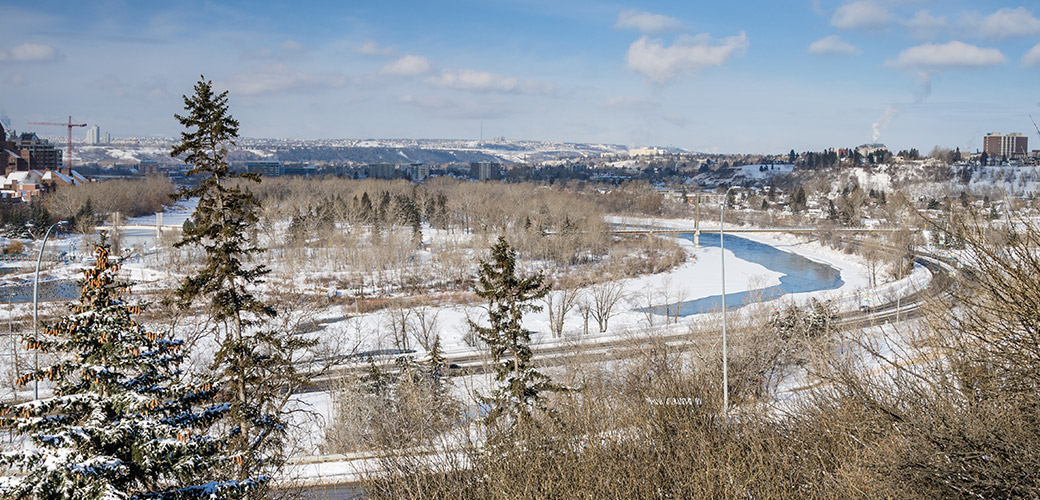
[{"x": 754, "y": 76}]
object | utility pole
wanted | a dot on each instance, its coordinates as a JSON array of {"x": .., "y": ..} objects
[
  {"x": 725, "y": 354},
  {"x": 697, "y": 222},
  {"x": 36, "y": 305}
]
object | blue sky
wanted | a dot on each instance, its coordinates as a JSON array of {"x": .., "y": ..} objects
[{"x": 753, "y": 77}]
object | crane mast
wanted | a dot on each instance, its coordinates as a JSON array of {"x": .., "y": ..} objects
[{"x": 68, "y": 146}]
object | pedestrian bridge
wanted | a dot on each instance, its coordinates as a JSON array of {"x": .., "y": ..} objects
[{"x": 736, "y": 229}]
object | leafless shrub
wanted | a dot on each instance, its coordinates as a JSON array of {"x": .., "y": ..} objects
[
  {"x": 130, "y": 198},
  {"x": 409, "y": 406},
  {"x": 944, "y": 410}
]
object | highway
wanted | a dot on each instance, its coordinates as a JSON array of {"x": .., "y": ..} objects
[{"x": 676, "y": 336}]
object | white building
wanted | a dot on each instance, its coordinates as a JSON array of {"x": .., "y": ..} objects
[
  {"x": 94, "y": 135},
  {"x": 645, "y": 152}
]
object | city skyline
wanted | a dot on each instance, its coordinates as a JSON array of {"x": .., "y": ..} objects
[{"x": 736, "y": 77}]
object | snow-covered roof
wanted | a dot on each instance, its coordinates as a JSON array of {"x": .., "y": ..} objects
[
  {"x": 52, "y": 175},
  {"x": 25, "y": 177}
]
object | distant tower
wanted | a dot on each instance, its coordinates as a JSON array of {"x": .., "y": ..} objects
[{"x": 94, "y": 135}]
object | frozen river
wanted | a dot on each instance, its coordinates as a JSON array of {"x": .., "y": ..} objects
[{"x": 798, "y": 274}]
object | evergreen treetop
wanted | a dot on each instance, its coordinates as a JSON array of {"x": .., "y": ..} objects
[
  {"x": 123, "y": 421},
  {"x": 224, "y": 214},
  {"x": 521, "y": 387},
  {"x": 257, "y": 365}
]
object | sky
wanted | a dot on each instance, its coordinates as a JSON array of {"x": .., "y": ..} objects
[{"x": 760, "y": 76}]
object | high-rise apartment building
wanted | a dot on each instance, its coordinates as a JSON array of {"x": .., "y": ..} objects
[
  {"x": 1001, "y": 146},
  {"x": 485, "y": 170},
  {"x": 94, "y": 135},
  {"x": 382, "y": 171},
  {"x": 33, "y": 152},
  {"x": 418, "y": 172},
  {"x": 265, "y": 168}
]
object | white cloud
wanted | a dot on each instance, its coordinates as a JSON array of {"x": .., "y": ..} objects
[
  {"x": 370, "y": 48},
  {"x": 947, "y": 55},
  {"x": 645, "y": 22},
  {"x": 862, "y": 14},
  {"x": 408, "y": 65},
  {"x": 30, "y": 52},
  {"x": 1007, "y": 23},
  {"x": 274, "y": 78},
  {"x": 924, "y": 24},
  {"x": 659, "y": 63},
  {"x": 833, "y": 44},
  {"x": 1032, "y": 58},
  {"x": 483, "y": 81}
]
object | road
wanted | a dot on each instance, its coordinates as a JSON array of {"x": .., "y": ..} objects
[{"x": 675, "y": 338}]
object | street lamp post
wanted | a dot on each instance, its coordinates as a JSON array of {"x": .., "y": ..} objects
[
  {"x": 36, "y": 308},
  {"x": 725, "y": 354}
]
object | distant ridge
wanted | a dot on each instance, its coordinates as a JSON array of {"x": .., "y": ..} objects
[{"x": 132, "y": 151}]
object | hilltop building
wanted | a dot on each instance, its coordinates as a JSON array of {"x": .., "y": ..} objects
[
  {"x": 866, "y": 149},
  {"x": 645, "y": 152},
  {"x": 1005, "y": 146}
]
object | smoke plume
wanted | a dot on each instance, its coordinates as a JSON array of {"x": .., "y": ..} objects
[
  {"x": 924, "y": 90},
  {"x": 887, "y": 116}
]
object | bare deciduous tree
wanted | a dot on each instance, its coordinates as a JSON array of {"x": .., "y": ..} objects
[
  {"x": 424, "y": 316},
  {"x": 605, "y": 296},
  {"x": 558, "y": 303},
  {"x": 398, "y": 321}
]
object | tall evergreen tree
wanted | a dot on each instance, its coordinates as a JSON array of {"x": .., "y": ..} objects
[
  {"x": 123, "y": 422},
  {"x": 257, "y": 364},
  {"x": 519, "y": 394}
]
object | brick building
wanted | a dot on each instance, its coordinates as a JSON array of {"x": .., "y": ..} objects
[{"x": 1005, "y": 146}]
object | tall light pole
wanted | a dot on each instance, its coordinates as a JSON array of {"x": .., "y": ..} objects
[
  {"x": 725, "y": 354},
  {"x": 36, "y": 302}
]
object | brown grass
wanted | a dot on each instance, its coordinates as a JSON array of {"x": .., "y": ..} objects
[{"x": 955, "y": 414}]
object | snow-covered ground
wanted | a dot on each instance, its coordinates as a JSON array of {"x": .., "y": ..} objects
[{"x": 699, "y": 277}]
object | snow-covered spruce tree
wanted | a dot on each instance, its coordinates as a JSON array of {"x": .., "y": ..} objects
[
  {"x": 518, "y": 398},
  {"x": 123, "y": 422},
  {"x": 256, "y": 364}
]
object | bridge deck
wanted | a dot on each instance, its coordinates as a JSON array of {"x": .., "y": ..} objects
[
  {"x": 663, "y": 230},
  {"x": 149, "y": 227}
]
